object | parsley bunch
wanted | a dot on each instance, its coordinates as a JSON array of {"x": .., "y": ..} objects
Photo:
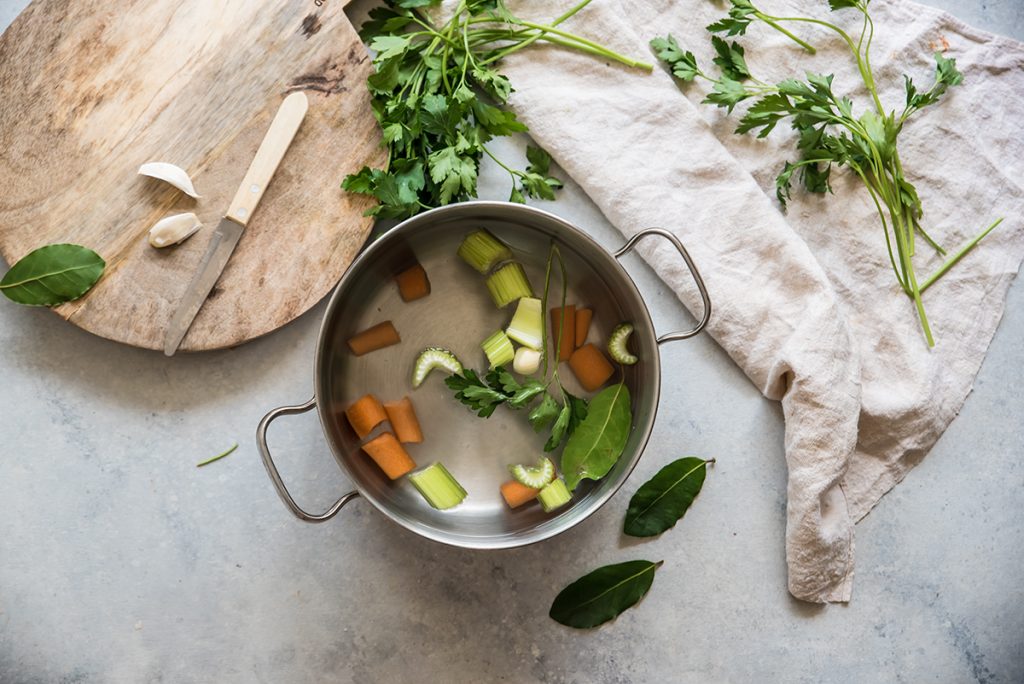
[
  {"x": 434, "y": 93},
  {"x": 830, "y": 133}
]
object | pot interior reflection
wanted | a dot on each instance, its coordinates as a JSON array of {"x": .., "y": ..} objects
[{"x": 459, "y": 314}]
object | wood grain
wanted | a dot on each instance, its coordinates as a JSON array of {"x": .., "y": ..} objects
[{"x": 92, "y": 89}]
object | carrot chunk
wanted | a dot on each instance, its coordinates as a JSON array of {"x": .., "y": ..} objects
[
  {"x": 568, "y": 321},
  {"x": 379, "y": 336},
  {"x": 413, "y": 283},
  {"x": 590, "y": 367},
  {"x": 583, "y": 318},
  {"x": 364, "y": 414},
  {"x": 516, "y": 494},
  {"x": 403, "y": 420},
  {"x": 391, "y": 456}
]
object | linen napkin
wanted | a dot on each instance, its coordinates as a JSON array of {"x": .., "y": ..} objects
[{"x": 805, "y": 301}]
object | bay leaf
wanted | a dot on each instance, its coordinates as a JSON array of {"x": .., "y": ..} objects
[
  {"x": 600, "y": 596},
  {"x": 52, "y": 275},
  {"x": 664, "y": 499},
  {"x": 598, "y": 441}
]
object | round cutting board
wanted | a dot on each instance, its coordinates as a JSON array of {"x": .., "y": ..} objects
[{"x": 92, "y": 89}]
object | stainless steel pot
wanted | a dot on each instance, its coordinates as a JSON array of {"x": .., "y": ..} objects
[{"x": 458, "y": 314}]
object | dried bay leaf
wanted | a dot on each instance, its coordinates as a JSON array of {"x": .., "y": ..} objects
[
  {"x": 598, "y": 441},
  {"x": 663, "y": 500},
  {"x": 52, "y": 275},
  {"x": 603, "y": 594}
]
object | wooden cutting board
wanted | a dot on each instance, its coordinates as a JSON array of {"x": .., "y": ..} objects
[{"x": 92, "y": 89}]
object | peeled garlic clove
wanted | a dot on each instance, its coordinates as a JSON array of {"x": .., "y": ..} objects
[
  {"x": 172, "y": 230},
  {"x": 175, "y": 175},
  {"x": 526, "y": 361}
]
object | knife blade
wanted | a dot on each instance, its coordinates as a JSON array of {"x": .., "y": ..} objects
[{"x": 275, "y": 143}]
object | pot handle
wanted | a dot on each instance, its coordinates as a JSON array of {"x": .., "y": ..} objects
[
  {"x": 660, "y": 232},
  {"x": 275, "y": 477}
]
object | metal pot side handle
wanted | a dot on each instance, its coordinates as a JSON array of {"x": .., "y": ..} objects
[
  {"x": 275, "y": 477},
  {"x": 660, "y": 232}
]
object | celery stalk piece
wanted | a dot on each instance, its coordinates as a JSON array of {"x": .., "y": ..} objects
[
  {"x": 438, "y": 487},
  {"x": 483, "y": 251},
  {"x": 554, "y": 495},
  {"x": 499, "y": 349},
  {"x": 508, "y": 284},
  {"x": 617, "y": 345},
  {"x": 526, "y": 325},
  {"x": 534, "y": 477}
]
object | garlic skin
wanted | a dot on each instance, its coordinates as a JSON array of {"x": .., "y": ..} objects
[
  {"x": 526, "y": 361},
  {"x": 172, "y": 230},
  {"x": 169, "y": 173}
]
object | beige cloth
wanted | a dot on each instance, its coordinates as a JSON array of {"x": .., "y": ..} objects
[{"x": 806, "y": 302}]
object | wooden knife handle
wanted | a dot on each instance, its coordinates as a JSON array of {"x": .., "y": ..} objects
[{"x": 275, "y": 143}]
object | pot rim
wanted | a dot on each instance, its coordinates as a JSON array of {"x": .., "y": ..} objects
[{"x": 540, "y": 532}]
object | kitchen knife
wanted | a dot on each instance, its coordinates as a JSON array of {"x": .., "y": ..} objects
[{"x": 275, "y": 143}]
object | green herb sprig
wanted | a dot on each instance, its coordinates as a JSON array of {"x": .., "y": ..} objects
[
  {"x": 830, "y": 133},
  {"x": 499, "y": 387},
  {"x": 434, "y": 93}
]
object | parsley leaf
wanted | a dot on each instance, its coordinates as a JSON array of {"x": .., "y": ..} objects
[
  {"x": 684, "y": 64},
  {"x": 437, "y": 94},
  {"x": 829, "y": 134},
  {"x": 730, "y": 59}
]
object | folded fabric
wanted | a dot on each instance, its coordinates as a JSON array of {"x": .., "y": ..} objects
[{"x": 805, "y": 302}]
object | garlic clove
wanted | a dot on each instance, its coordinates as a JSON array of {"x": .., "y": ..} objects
[
  {"x": 173, "y": 230},
  {"x": 526, "y": 361},
  {"x": 175, "y": 175}
]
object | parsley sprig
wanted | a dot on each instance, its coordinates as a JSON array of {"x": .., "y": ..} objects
[
  {"x": 437, "y": 95},
  {"x": 830, "y": 133}
]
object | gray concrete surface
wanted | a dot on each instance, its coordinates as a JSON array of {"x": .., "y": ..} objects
[{"x": 120, "y": 561}]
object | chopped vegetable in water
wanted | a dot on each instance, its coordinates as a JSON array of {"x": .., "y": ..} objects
[
  {"x": 499, "y": 349},
  {"x": 391, "y": 456},
  {"x": 554, "y": 495},
  {"x": 431, "y": 358},
  {"x": 365, "y": 414},
  {"x": 516, "y": 494},
  {"x": 379, "y": 336},
  {"x": 413, "y": 283},
  {"x": 483, "y": 251},
  {"x": 438, "y": 487},
  {"x": 526, "y": 361},
  {"x": 590, "y": 367},
  {"x": 534, "y": 476},
  {"x": 527, "y": 323},
  {"x": 618, "y": 342},
  {"x": 508, "y": 284},
  {"x": 567, "y": 334},
  {"x": 403, "y": 420},
  {"x": 583, "y": 318}
]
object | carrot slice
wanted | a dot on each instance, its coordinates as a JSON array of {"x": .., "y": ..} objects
[
  {"x": 413, "y": 283},
  {"x": 403, "y": 420},
  {"x": 364, "y": 414},
  {"x": 583, "y": 318},
  {"x": 568, "y": 330},
  {"x": 391, "y": 456},
  {"x": 517, "y": 494},
  {"x": 379, "y": 336},
  {"x": 591, "y": 367}
]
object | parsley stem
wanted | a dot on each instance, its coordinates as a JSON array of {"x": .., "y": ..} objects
[
  {"x": 217, "y": 457},
  {"x": 519, "y": 46},
  {"x": 769, "y": 20},
  {"x": 610, "y": 54},
  {"x": 958, "y": 255}
]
